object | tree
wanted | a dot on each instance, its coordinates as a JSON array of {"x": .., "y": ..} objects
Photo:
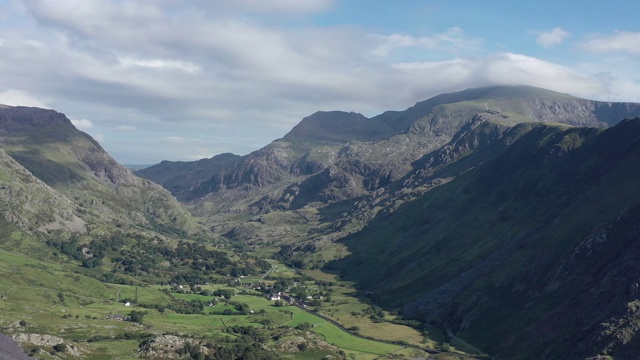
[
  {"x": 60, "y": 347},
  {"x": 243, "y": 308},
  {"x": 92, "y": 262},
  {"x": 137, "y": 316},
  {"x": 304, "y": 326}
]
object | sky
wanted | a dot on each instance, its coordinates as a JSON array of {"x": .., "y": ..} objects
[{"x": 156, "y": 80}]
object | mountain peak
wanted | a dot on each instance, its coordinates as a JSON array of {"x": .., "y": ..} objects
[
  {"x": 36, "y": 123},
  {"x": 330, "y": 126}
]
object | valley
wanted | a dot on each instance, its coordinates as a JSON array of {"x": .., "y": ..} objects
[{"x": 497, "y": 222}]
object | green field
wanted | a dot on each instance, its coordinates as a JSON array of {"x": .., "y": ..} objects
[
  {"x": 330, "y": 332},
  {"x": 58, "y": 298}
]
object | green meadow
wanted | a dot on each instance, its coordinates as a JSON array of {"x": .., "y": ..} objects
[{"x": 49, "y": 297}]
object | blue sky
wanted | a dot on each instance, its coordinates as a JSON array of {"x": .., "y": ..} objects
[{"x": 185, "y": 79}]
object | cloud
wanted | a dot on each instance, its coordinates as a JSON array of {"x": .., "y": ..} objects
[
  {"x": 503, "y": 69},
  {"x": 15, "y": 97},
  {"x": 82, "y": 124},
  {"x": 160, "y": 64},
  {"x": 204, "y": 77},
  {"x": 181, "y": 140},
  {"x": 290, "y": 7},
  {"x": 126, "y": 127},
  {"x": 551, "y": 38},
  {"x": 452, "y": 38},
  {"x": 623, "y": 41}
]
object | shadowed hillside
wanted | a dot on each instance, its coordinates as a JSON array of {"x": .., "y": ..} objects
[{"x": 534, "y": 237}]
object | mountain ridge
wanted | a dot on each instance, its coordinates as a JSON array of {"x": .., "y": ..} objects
[{"x": 339, "y": 169}]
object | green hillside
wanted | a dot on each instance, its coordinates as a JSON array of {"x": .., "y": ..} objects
[{"x": 515, "y": 239}]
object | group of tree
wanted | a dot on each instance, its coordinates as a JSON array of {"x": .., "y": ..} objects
[
  {"x": 138, "y": 255},
  {"x": 375, "y": 313}
]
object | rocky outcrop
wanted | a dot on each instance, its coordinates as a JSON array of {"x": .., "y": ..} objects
[{"x": 49, "y": 341}]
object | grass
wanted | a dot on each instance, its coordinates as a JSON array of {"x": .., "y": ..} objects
[
  {"x": 338, "y": 337},
  {"x": 33, "y": 293},
  {"x": 343, "y": 340}
]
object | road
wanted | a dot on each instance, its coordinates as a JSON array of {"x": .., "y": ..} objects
[{"x": 341, "y": 327}]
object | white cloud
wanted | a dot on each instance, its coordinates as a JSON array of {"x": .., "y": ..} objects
[
  {"x": 293, "y": 7},
  {"x": 161, "y": 64},
  {"x": 551, "y": 38},
  {"x": 624, "y": 41},
  {"x": 503, "y": 69},
  {"x": 452, "y": 38},
  {"x": 126, "y": 128},
  {"x": 180, "y": 140},
  {"x": 82, "y": 124},
  {"x": 15, "y": 97},
  {"x": 193, "y": 77}
]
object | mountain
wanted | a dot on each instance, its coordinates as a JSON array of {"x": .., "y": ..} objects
[
  {"x": 331, "y": 160},
  {"x": 525, "y": 253},
  {"x": 506, "y": 215},
  {"x": 63, "y": 168}
]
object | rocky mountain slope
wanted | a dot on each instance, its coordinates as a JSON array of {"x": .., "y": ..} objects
[
  {"x": 27, "y": 202},
  {"x": 333, "y": 160},
  {"x": 47, "y": 163}
]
